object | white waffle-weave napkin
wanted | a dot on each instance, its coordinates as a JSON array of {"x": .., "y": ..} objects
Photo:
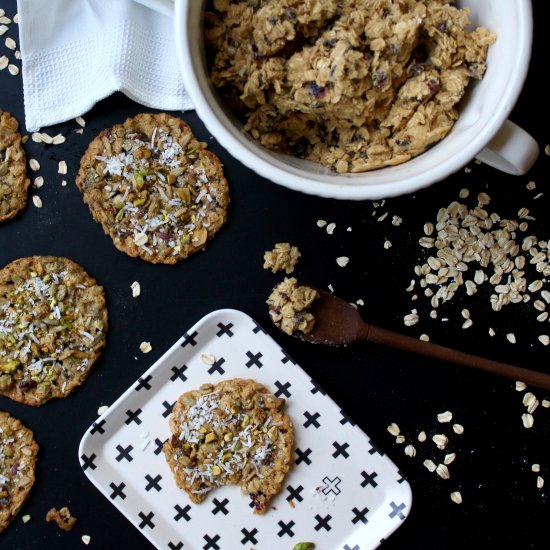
[{"x": 76, "y": 52}]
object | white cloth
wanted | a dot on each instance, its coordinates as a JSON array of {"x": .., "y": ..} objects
[{"x": 76, "y": 52}]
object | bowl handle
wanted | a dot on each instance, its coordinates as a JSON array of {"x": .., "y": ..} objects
[
  {"x": 512, "y": 150},
  {"x": 166, "y": 7}
]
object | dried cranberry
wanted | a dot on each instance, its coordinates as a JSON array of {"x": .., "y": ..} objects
[
  {"x": 318, "y": 92},
  {"x": 433, "y": 85},
  {"x": 379, "y": 79}
]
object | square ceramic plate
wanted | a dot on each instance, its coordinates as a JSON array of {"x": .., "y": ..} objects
[{"x": 341, "y": 492}]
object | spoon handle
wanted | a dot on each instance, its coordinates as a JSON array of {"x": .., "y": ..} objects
[{"x": 392, "y": 339}]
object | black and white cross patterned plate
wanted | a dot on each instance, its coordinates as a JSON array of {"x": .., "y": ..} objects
[{"x": 341, "y": 492}]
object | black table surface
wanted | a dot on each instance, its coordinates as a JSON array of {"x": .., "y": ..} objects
[{"x": 501, "y": 502}]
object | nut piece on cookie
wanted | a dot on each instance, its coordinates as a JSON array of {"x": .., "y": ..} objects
[
  {"x": 53, "y": 324},
  {"x": 13, "y": 171},
  {"x": 283, "y": 256},
  {"x": 18, "y": 452},
  {"x": 154, "y": 188},
  {"x": 288, "y": 304},
  {"x": 230, "y": 433},
  {"x": 62, "y": 518}
]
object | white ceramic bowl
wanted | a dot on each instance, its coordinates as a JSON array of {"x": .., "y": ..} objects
[{"x": 483, "y": 113}]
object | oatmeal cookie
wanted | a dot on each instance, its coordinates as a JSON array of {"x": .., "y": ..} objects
[
  {"x": 13, "y": 172},
  {"x": 155, "y": 190},
  {"x": 283, "y": 256},
  {"x": 352, "y": 84},
  {"x": 288, "y": 304},
  {"x": 63, "y": 518},
  {"x": 53, "y": 324},
  {"x": 18, "y": 451},
  {"x": 231, "y": 433}
]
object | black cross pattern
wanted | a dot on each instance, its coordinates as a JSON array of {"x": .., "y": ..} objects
[
  {"x": 311, "y": 419},
  {"x": 98, "y": 427},
  {"x": 133, "y": 416},
  {"x": 374, "y": 449},
  {"x": 146, "y": 520},
  {"x": 346, "y": 419},
  {"x": 124, "y": 452},
  {"x": 144, "y": 383},
  {"x": 217, "y": 366},
  {"x": 360, "y": 515},
  {"x": 402, "y": 477},
  {"x": 340, "y": 450},
  {"x": 220, "y": 506},
  {"x": 189, "y": 339},
  {"x": 396, "y": 510},
  {"x": 323, "y": 523},
  {"x": 88, "y": 461},
  {"x": 211, "y": 542},
  {"x": 257, "y": 328},
  {"x": 286, "y": 358},
  {"x": 347, "y": 547},
  {"x": 167, "y": 408},
  {"x": 303, "y": 456},
  {"x": 174, "y": 546},
  {"x": 178, "y": 373},
  {"x": 182, "y": 512},
  {"x": 368, "y": 479},
  {"x": 316, "y": 388},
  {"x": 295, "y": 494},
  {"x": 282, "y": 389},
  {"x": 286, "y": 528},
  {"x": 249, "y": 536},
  {"x": 254, "y": 359},
  {"x": 331, "y": 485},
  {"x": 225, "y": 329},
  {"x": 117, "y": 490},
  {"x": 159, "y": 445},
  {"x": 153, "y": 482}
]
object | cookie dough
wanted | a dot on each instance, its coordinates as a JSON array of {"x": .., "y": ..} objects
[
  {"x": 13, "y": 172},
  {"x": 231, "y": 433},
  {"x": 352, "y": 84},
  {"x": 18, "y": 451},
  {"x": 53, "y": 324},
  {"x": 154, "y": 188},
  {"x": 288, "y": 304},
  {"x": 283, "y": 256}
]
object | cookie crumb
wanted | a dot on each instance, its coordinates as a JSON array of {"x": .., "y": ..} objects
[
  {"x": 446, "y": 416},
  {"x": 62, "y": 518},
  {"x": 145, "y": 347},
  {"x": 86, "y": 539},
  {"x": 283, "y": 256},
  {"x": 456, "y": 497},
  {"x": 26, "y": 518},
  {"x": 103, "y": 409}
]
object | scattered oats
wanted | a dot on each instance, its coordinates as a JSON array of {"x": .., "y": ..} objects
[
  {"x": 446, "y": 416},
  {"x": 426, "y": 242},
  {"x": 34, "y": 165},
  {"x": 387, "y": 244},
  {"x": 538, "y": 196},
  {"x": 208, "y": 358},
  {"x": 532, "y": 407},
  {"x": 528, "y": 398},
  {"x": 410, "y": 451},
  {"x": 64, "y": 183},
  {"x": 10, "y": 43},
  {"x": 491, "y": 331},
  {"x": 17, "y": 55},
  {"x": 456, "y": 497},
  {"x": 483, "y": 199},
  {"x": 79, "y": 131},
  {"x": 330, "y": 287},
  {"x": 477, "y": 161},
  {"x": 383, "y": 217},
  {"x": 511, "y": 337},
  {"x": 400, "y": 439},
  {"x": 433, "y": 314},
  {"x": 145, "y": 347},
  {"x": 458, "y": 429},
  {"x": 4, "y": 62},
  {"x": 330, "y": 228},
  {"x": 62, "y": 168},
  {"x": 535, "y": 468},
  {"x": 36, "y": 137},
  {"x": 136, "y": 289},
  {"x": 463, "y": 193},
  {"x": 449, "y": 458},
  {"x": 140, "y": 239},
  {"x": 465, "y": 313},
  {"x": 349, "y": 230},
  {"x": 546, "y": 403},
  {"x": 342, "y": 261},
  {"x": 16, "y": 18},
  {"x": 531, "y": 185},
  {"x": 58, "y": 139},
  {"x": 523, "y": 213},
  {"x": 467, "y": 324},
  {"x": 535, "y": 286},
  {"x": 80, "y": 121},
  {"x": 102, "y": 410},
  {"x": 86, "y": 539},
  {"x": 428, "y": 229},
  {"x": 540, "y": 482},
  {"x": 4, "y": 19},
  {"x": 544, "y": 339},
  {"x": 393, "y": 428},
  {"x": 440, "y": 440},
  {"x": 46, "y": 138},
  {"x": 442, "y": 471},
  {"x": 13, "y": 69},
  {"x": 397, "y": 220},
  {"x": 546, "y": 296},
  {"x": 37, "y": 201},
  {"x": 360, "y": 302},
  {"x": 467, "y": 170},
  {"x": 430, "y": 465},
  {"x": 520, "y": 386},
  {"x": 422, "y": 437},
  {"x": 410, "y": 319},
  {"x": 26, "y": 518},
  {"x": 527, "y": 419},
  {"x": 3, "y": 30},
  {"x": 38, "y": 182},
  {"x": 411, "y": 286},
  {"x": 424, "y": 338},
  {"x": 547, "y": 149}
]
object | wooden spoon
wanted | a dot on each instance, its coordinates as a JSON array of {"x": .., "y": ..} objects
[{"x": 338, "y": 323}]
